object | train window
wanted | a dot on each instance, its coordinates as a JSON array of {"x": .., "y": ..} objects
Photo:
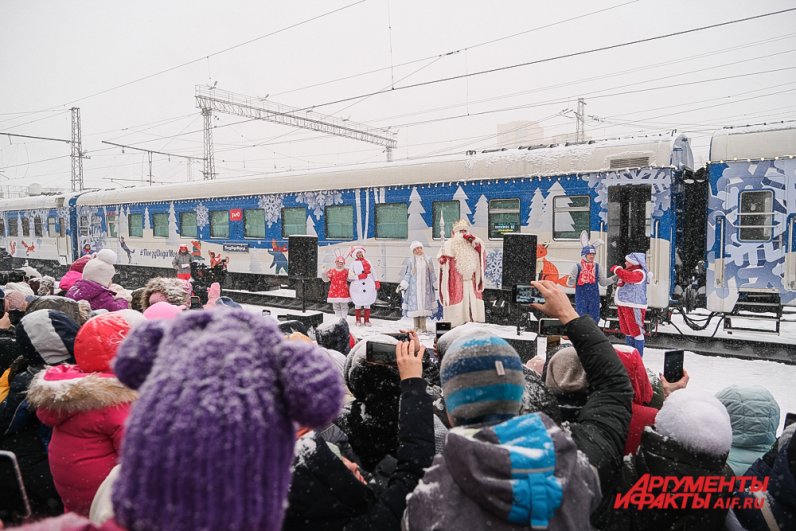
[
  {"x": 339, "y": 222},
  {"x": 160, "y": 225},
  {"x": 756, "y": 215},
  {"x": 392, "y": 220},
  {"x": 294, "y": 221},
  {"x": 62, "y": 232},
  {"x": 26, "y": 226},
  {"x": 504, "y": 216},
  {"x": 447, "y": 210},
  {"x": 51, "y": 230},
  {"x": 135, "y": 225},
  {"x": 37, "y": 227},
  {"x": 254, "y": 223},
  {"x": 13, "y": 229},
  {"x": 110, "y": 220},
  {"x": 188, "y": 225},
  {"x": 219, "y": 224},
  {"x": 570, "y": 216},
  {"x": 83, "y": 225}
]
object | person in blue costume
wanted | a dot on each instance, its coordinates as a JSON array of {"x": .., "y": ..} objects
[{"x": 587, "y": 277}]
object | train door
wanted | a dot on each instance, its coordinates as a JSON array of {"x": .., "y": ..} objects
[{"x": 629, "y": 221}]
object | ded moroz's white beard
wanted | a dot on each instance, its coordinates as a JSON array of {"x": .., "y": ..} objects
[{"x": 466, "y": 257}]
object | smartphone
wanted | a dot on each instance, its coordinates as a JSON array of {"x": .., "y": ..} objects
[
  {"x": 14, "y": 504},
  {"x": 196, "y": 303},
  {"x": 398, "y": 335},
  {"x": 442, "y": 328},
  {"x": 380, "y": 353},
  {"x": 526, "y": 294},
  {"x": 266, "y": 313},
  {"x": 673, "y": 365},
  {"x": 790, "y": 418}
]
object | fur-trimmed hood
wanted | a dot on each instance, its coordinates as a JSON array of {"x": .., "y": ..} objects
[
  {"x": 66, "y": 390},
  {"x": 175, "y": 291}
]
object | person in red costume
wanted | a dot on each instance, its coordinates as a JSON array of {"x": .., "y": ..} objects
[
  {"x": 363, "y": 285},
  {"x": 461, "y": 276},
  {"x": 631, "y": 298},
  {"x": 339, "y": 295}
]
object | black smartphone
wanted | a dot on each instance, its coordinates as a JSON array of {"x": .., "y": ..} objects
[
  {"x": 673, "y": 365},
  {"x": 266, "y": 313},
  {"x": 442, "y": 328},
  {"x": 196, "y": 303},
  {"x": 14, "y": 504},
  {"x": 526, "y": 294},
  {"x": 790, "y": 418},
  {"x": 398, "y": 335},
  {"x": 380, "y": 353}
]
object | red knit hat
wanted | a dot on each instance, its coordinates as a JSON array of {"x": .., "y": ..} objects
[
  {"x": 80, "y": 263},
  {"x": 97, "y": 340}
]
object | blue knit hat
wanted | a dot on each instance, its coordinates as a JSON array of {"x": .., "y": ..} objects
[
  {"x": 47, "y": 337},
  {"x": 482, "y": 379},
  {"x": 589, "y": 249}
]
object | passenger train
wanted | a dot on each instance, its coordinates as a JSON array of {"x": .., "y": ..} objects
[{"x": 724, "y": 232}]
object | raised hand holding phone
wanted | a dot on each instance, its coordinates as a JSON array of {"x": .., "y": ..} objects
[
  {"x": 556, "y": 303},
  {"x": 409, "y": 357}
]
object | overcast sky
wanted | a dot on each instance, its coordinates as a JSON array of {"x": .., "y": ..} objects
[{"x": 93, "y": 54}]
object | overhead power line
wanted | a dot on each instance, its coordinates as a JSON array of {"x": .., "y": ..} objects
[{"x": 554, "y": 58}]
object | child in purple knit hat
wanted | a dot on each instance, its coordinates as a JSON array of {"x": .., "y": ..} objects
[{"x": 209, "y": 443}]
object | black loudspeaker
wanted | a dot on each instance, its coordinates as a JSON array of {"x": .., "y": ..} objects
[
  {"x": 519, "y": 259},
  {"x": 302, "y": 257}
]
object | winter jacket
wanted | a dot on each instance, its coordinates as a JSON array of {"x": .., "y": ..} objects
[
  {"x": 87, "y": 413},
  {"x": 754, "y": 415},
  {"x": 415, "y": 303},
  {"x": 662, "y": 456},
  {"x": 631, "y": 288},
  {"x": 79, "y": 311},
  {"x": 523, "y": 472},
  {"x": 99, "y": 297},
  {"x": 325, "y": 495},
  {"x": 69, "y": 279},
  {"x": 8, "y": 348},
  {"x": 182, "y": 262},
  {"x": 642, "y": 415},
  {"x": 601, "y": 428},
  {"x": 780, "y": 500}
]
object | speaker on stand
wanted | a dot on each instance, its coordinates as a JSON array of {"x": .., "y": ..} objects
[
  {"x": 302, "y": 261},
  {"x": 519, "y": 266}
]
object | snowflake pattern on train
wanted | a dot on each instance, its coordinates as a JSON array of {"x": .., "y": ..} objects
[
  {"x": 494, "y": 267},
  {"x": 748, "y": 263},
  {"x": 272, "y": 206},
  {"x": 317, "y": 201},
  {"x": 658, "y": 178},
  {"x": 202, "y": 216}
]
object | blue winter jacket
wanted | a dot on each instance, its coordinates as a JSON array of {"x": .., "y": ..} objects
[{"x": 754, "y": 415}]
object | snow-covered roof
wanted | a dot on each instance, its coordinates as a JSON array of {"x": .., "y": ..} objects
[
  {"x": 34, "y": 202},
  {"x": 595, "y": 156},
  {"x": 764, "y": 141}
]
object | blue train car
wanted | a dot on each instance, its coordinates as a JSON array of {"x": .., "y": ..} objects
[{"x": 752, "y": 218}]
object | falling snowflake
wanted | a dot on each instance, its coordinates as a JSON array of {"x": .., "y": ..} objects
[
  {"x": 494, "y": 266},
  {"x": 202, "y": 216},
  {"x": 272, "y": 205},
  {"x": 317, "y": 201}
]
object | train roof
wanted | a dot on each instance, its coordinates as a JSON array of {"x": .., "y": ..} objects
[
  {"x": 35, "y": 202},
  {"x": 765, "y": 141},
  {"x": 593, "y": 156}
]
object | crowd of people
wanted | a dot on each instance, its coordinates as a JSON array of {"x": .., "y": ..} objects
[{"x": 130, "y": 410}]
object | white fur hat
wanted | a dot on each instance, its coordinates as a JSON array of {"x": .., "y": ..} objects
[
  {"x": 462, "y": 224},
  {"x": 100, "y": 268},
  {"x": 414, "y": 245}
]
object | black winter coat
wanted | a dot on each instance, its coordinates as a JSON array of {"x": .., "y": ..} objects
[
  {"x": 325, "y": 495},
  {"x": 603, "y": 421},
  {"x": 8, "y": 348},
  {"x": 661, "y": 456}
]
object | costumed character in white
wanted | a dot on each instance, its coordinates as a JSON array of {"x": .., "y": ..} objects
[
  {"x": 461, "y": 276},
  {"x": 418, "y": 286},
  {"x": 363, "y": 286}
]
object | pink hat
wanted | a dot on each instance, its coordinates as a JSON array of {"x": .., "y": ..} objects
[{"x": 162, "y": 310}]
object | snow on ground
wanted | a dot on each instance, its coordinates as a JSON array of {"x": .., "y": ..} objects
[{"x": 706, "y": 372}]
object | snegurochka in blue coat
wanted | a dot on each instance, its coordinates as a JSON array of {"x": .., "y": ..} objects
[{"x": 419, "y": 286}]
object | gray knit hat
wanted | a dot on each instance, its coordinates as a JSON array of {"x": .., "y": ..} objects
[
  {"x": 482, "y": 379},
  {"x": 565, "y": 373}
]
